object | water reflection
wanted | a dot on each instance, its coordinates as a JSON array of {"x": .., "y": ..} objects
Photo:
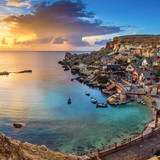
[{"x": 39, "y": 101}]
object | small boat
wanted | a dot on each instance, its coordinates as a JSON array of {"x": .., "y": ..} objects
[
  {"x": 87, "y": 93},
  {"x": 69, "y": 101},
  {"x": 93, "y": 100},
  {"x": 101, "y": 105}
]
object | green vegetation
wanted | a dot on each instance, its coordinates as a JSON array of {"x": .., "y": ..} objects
[
  {"x": 121, "y": 61},
  {"x": 138, "y": 56},
  {"x": 113, "y": 53},
  {"x": 158, "y": 72},
  {"x": 102, "y": 79},
  {"x": 116, "y": 53}
]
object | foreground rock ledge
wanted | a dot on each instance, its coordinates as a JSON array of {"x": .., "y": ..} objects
[{"x": 15, "y": 150}]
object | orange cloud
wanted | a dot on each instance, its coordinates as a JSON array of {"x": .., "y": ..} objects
[
  {"x": 18, "y": 3},
  {"x": 61, "y": 23}
]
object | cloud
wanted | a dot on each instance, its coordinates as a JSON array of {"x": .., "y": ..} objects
[
  {"x": 36, "y": 41},
  {"x": 77, "y": 41},
  {"x": 18, "y": 3},
  {"x": 3, "y": 41},
  {"x": 63, "y": 18},
  {"x": 102, "y": 42},
  {"x": 59, "y": 40}
]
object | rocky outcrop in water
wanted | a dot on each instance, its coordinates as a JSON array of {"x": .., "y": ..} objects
[
  {"x": 15, "y": 150},
  {"x": 145, "y": 45},
  {"x": 87, "y": 66}
]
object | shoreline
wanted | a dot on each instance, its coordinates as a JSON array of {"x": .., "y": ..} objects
[{"x": 82, "y": 78}]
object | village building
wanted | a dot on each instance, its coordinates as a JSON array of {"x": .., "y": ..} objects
[
  {"x": 147, "y": 78},
  {"x": 154, "y": 90},
  {"x": 156, "y": 62},
  {"x": 147, "y": 61},
  {"x": 104, "y": 60},
  {"x": 142, "y": 77},
  {"x": 113, "y": 71},
  {"x": 121, "y": 56},
  {"x": 111, "y": 61},
  {"x": 133, "y": 73}
]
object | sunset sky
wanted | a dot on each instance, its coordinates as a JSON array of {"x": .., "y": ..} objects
[{"x": 67, "y": 25}]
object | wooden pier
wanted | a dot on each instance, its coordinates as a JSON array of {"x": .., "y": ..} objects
[{"x": 136, "y": 93}]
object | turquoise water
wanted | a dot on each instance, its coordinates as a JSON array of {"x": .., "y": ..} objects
[{"x": 39, "y": 101}]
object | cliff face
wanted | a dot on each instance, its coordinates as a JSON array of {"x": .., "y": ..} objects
[
  {"x": 15, "y": 150},
  {"x": 146, "y": 45}
]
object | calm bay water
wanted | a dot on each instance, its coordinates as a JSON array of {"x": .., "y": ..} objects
[{"x": 39, "y": 101}]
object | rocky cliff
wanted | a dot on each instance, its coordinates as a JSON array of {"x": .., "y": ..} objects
[
  {"x": 146, "y": 45},
  {"x": 15, "y": 150}
]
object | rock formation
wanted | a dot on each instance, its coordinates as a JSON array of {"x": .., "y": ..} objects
[
  {"x": 15, "y": 150},
  {"x": 145, "y": 45}
]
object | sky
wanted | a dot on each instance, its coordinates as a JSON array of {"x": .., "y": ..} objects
[{"x": 73, "y": 25}]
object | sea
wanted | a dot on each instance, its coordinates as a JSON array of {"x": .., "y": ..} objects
[{"x": 38, "y": 100}]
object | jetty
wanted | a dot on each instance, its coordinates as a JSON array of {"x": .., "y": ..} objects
[
  {"x": 117, "y": 86},
  {"x": 4, "y": 73}
]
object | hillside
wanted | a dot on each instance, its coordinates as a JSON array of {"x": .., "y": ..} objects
[
  {"x": 148, "y": 45},
  {"x": 15, "y": 150}
]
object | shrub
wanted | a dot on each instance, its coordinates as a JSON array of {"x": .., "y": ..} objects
[{"x": 102, "y": 79}]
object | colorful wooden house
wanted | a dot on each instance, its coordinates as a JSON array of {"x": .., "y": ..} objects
[
  {"x": 133, "y": 73},
  {"x": 156, "y": 62},
  {"x": 147, "y": 78},
  {"x": 147, "y": 61}
]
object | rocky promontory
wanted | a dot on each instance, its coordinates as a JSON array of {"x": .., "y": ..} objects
[
  {"x": 15, "y": 150},
  {"x": 145, "y": 45},
  {"x": 86, "y": 67}
]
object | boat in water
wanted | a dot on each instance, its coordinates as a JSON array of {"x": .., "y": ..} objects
[
  {"x": 87, "y": 93},
  {"x": 93, "y": 100},
  {"x": 101, "y": 105},
  {"x": 69, "y": 101}
]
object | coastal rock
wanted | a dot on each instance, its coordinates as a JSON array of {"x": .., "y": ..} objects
[
  {"x": 63, "y": 63},
  {"x": 68, "y": 56},
  {"x": 97, "y": 71},
  {"x": 17, "y": 125},
  {"x": 15, "y": 150},
  {"x": 74, "y": 70},
  {"x": 66, "y": 68},
  {"x": 145, "y": 45}
]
